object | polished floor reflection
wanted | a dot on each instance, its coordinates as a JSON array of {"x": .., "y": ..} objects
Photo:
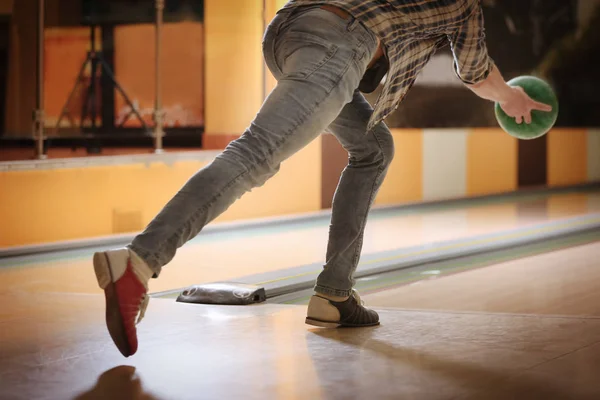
[
  {"x": 55, "y": 347},
  {"x": 561, "y": 282},
  {"x": 524, "y": 329}
]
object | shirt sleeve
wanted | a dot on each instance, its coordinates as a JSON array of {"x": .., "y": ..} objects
[{"x": 472, "y": 63}]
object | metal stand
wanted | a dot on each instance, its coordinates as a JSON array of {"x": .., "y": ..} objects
[
  {"x": 38, "y": 113},
  {"x": 95, "y": 59},
  {"x": 159, "y": 113}
]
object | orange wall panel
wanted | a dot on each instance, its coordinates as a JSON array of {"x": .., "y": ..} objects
[
  {"x": 567, "y": 156},
  {"x": 65, "y": 53},
  {"x": 73, "y": 203},
  {"x": 79, "y": 202},
  {"x": 182, "y": 66},
  {"x": 234, "y": 64},
  {"x": 404, "y": 180},
  {"x": 492, "y": 162}
]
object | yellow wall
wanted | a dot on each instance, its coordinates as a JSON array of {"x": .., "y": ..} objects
[
  {"x": 64, "y": 204},
  {"x": 492, "y": 162},
  {"x": 234, "y": 64},
  {"x": 76, "y": 203},
  {"x": 567, "y": 156},
  {"x": 40, "y": 206}
]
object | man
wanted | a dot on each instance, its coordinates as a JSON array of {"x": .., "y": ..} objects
[{"x": 323, "y": 53}]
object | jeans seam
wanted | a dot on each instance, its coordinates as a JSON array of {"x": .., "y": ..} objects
[
  {"x": 329, "y": 56},
  {"x": 361, "y": 42},
  {"x": 364, "y": 219},
  {"x": 286, "y": 136},
  {"x": 203, "y": 208}
]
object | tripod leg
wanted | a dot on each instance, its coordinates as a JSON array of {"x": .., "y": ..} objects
[
  {"x": 120, "y": 89},
  {"x": 65, "y": 109},
  {"x": 84, "y": 107},
  {"x": 93, "y": 89},
  {"x": 126, "y": 118}
]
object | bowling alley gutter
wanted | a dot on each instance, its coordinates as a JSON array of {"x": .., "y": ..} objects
[{"x": 297, "y": 279}]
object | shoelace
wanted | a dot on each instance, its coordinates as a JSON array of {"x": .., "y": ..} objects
[
  {"x": 357, "y": 297},
  {"x": 143, "y": 305}
]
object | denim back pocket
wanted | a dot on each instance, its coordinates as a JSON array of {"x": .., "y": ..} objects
[{"x": 301, "y": 54}]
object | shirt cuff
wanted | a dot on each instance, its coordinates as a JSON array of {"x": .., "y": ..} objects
[{"x": 469, "y": 79}]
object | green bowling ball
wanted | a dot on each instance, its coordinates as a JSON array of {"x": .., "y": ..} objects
[{"x": 541, "y": 121}]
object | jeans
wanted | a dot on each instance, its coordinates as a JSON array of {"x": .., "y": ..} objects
[{"x": 318, "y": 60}]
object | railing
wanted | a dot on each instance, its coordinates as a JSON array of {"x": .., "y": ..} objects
[{"x": 39, "y": 115}]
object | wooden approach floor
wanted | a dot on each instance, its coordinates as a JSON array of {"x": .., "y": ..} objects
[
  {"x": 564, "y": 282},
  {"x": 528, "y": 329},
  {"x": 56, "y": 347}
]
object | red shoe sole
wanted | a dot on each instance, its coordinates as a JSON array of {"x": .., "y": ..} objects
[{"x": 114, "y": 318}]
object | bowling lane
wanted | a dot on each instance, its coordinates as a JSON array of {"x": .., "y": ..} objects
[
  {"x": 562, "y": 282},
  {"x": 275, "y": 247},
  {"x": 57, "y": 347}
]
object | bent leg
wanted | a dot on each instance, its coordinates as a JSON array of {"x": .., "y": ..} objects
[{"x": 370, "y": 155}]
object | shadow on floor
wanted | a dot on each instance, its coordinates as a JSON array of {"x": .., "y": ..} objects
[
  {"x": 119, "y": 383},
  {"x": 471, "y": 381}
]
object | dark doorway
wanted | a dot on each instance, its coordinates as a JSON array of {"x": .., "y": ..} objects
[{"x": 532, "y": 162}]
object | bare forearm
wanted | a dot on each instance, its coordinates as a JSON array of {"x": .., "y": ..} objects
[
  {"x": 513, "y": 100},
  {"x": 493, "y": 88}
]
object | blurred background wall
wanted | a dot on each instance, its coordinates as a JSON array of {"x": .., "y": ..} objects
[{"x": 448, "y": 144}]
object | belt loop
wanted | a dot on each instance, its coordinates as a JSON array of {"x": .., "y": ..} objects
[
  {"x": 352, "y": 25},
  {"x": 286, "y": 15}
]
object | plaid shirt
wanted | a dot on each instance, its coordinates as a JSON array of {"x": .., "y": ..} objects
[{"x": 411, "y": 32}]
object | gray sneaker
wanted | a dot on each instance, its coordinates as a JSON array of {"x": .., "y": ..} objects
[{"x": 332, "y": 314}]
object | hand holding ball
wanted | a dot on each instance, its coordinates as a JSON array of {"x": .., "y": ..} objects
[{"x": 544, "y": 108}]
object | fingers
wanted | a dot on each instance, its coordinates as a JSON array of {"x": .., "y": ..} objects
[
  {"x": 528, "y": 118},
  {"x": 541, "y": 107},
  {"x": 519, "y": 119}
]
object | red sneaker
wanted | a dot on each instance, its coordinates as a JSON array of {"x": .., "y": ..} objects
[{"x": 124, "y": 278}]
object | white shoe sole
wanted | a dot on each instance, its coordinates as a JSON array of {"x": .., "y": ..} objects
[{"x": 322, "y": 324}]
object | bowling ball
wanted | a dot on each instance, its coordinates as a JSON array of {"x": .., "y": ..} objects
[{"x": 541, "y": 121}]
